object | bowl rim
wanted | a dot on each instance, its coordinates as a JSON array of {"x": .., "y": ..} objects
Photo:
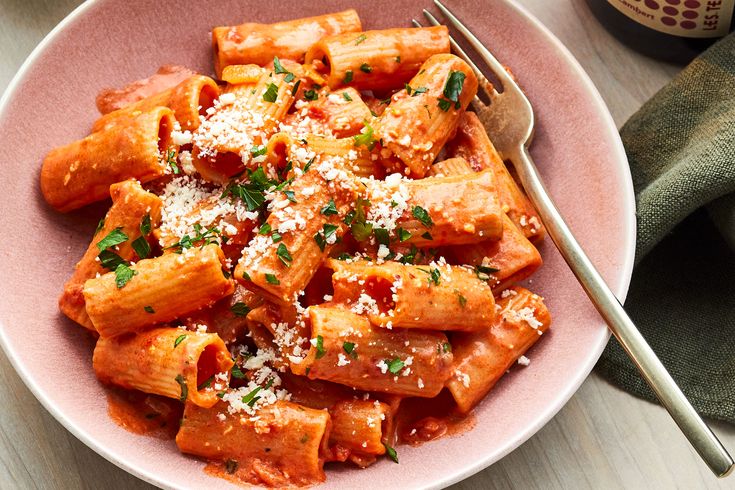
[{"x": 627, "y": 263}]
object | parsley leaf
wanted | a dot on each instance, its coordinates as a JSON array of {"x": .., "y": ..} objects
[
  {"x": 141, "y": 247},
  {"x": 403, "y": 235},
  {"x": 271, "y": 93},
  {"x": 257, "y": 151},
  {"x": 423, "y": 216},
  {"x": 444, "y": 104},
  {"x": 240, "y": 309},
  {"x": 359, "y": 228},
  {"x": 330, "y": 209},
  {"x": 323, "y": 236},
  {"x": 149, "y": 309},
  {"x": 237, "y": 373},
  {"x": 346, "y": 96},
  {"x": 178, "y": 340},
  {"x": 184, "y": 389},
  {"x": 310, "y": 95},
  {"x": 366, "y": 68},
  {"x": 284, "y": 255},
  {"x": 100, "y": 225},
  {"x": 272, "y": 279},
  {"x": 265, "y": 228},
  {"x": 123, "y": 274},
  {"x": 252, "y": 397},
  {"x": 349, "y": 348},
  {"x": 145, "y": 224},
  {"x": 110, "y": 260},
  {"x": 171, "y": 161},
  {"x": 462, "y": 299},
  {"x": 446, "y": 347},
  {"x": 365, "y": 137},
  {"x": 360, "y": 39},
  {"x": 392, "y": 454},
  {"x": 382, "y": 236},
  {"x": 483, "y": 272},
  {"x": 434, "y": 275},
  {"x": 419, "y": 90},
  {"x": 320, "y": 347},
  {"x": 453, "y": 86},
  {"x": 113, "y": 238},
  {"x": 395, "y": 365},
  {"x": 348, "y": 76}
]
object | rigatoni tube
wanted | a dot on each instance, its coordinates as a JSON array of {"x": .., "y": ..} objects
[
  {"x": 378, "y": 60},
  {"x": 433, "y": 297},
  {"x": 158, "y": 290},
  {"x": 130, "y": 206},
  {"x": 82, "y": 172},
  {"x": 481, "y": 358},
  {"x": 286, "y": 438},
  {"x": 416, "y": 126},
  {"x": 347, "y": 349},
  {"x": 166, "y": 361}
]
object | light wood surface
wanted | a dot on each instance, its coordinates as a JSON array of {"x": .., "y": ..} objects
[{"x": 603, "y": 438}]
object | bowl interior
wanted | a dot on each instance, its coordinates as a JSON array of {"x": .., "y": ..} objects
[{"x": 108, "y": 43}]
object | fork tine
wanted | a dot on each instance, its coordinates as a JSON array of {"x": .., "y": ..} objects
[
  {"x": 484, "y": 53},
  {"x": 486, "y": 85}
]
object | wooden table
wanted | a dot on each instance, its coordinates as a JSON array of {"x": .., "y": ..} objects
[{"x": 602, "y": 438}]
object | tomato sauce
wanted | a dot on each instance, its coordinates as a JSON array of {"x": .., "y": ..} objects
[
  {"x": 167, "y": 76},
  {"x": 145, "y": 414},
  {"x": 420, "y": 420}
]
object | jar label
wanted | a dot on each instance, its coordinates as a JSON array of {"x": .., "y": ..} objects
[{"x": 684, "y": 18}]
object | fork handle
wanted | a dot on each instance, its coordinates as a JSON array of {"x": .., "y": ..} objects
[{"x": 705, "y": 442}]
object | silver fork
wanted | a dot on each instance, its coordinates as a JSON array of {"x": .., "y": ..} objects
[{"x": 509, "y": 122}]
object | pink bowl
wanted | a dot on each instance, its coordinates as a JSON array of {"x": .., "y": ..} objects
[{"x": 107, "y": 43}]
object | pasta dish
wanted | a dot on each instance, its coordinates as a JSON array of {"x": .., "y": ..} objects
[{"x": 310, "y": 257}]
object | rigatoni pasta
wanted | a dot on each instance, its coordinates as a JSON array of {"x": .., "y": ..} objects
[{"x": 286, "y": 260}]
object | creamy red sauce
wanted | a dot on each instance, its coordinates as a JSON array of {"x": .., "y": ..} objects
[
  {"x": 167, "y": 76},
  {"x": 145, "y": 414},
  {"x": 420, "y": 420}
]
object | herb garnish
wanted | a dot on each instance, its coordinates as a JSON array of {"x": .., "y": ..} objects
[{"x": 240, "y": 309}]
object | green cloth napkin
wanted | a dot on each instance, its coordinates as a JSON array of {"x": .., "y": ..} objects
[{"x": 681, "y": 148}]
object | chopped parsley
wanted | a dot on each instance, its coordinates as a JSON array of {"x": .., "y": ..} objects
[
  {"x": 348, "y": 76},
  {"x": 272, "y": 279},
  {"x": 359, "y": 228},
  {"x": 452, "y": 90},
  {"x": 123, "y": 275},
  {"x": 398, "y": 59},
  {"x": 271, "y": 93},
  {"x": 427, "y": 236},
  {"x": 360, "y": 39},
  {"x": 392, "y": 454},
  {"x": 276, "y": 237},
  {"x": 231, "y": 466},
  {"x": 462, "y": 299},
  {"x": 382, "y": 236},
  {"x": 257, "y": 151},
  {"x": 423, "y": 216},
  {"x": 149, "y": 309},
  {"x": 237, "y": 373},
  {"x": 110, "y": 260},
  {"x": 365, "y": 68},
  {"x": 346, "y": 96},
  {"x": 483, "y": 272},
  {"x": 115, "y": 237},
  {"x": 349, "y": 348},
  {"x": 184, "y": 389},
  {"x": 279, "y": 69},
  {"x": 283, "y": 254},
  {"x": 310, "y": 94},
  {"x": 320, "y": 347},
  {"x": 395, "y": 365},
  {"x": 100, "y": 225},
  {"x": 403, "y": 235},
  {"x": 202, "y": 236},
  {"x": 240, "y": 309},
  {"x": 265, "y": 228},
  {"x": 330, "y": 209},
  {"x": 179, "y": 340},
  {"x": 446, "y": 347},
  {"x": 366, "y": 137},
  {"x": 323, "y": 236},
  {"x": 142, "y": 247},
  {"x": 434, "y": 275},
  {"x": 171, "y": 161}
]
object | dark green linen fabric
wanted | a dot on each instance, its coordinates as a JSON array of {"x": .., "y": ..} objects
[{"x": 681, "y": 148}]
